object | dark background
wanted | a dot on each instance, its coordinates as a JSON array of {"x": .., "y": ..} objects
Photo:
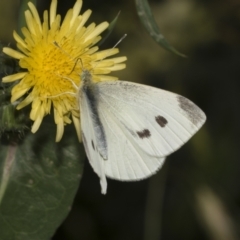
[{"x": 196, "y": 195}]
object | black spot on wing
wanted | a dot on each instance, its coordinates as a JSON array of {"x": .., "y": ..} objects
[
  {"x": 194, "y": 113},
  {"x": 93, "y": 145},
  {"x": 144, "y": 133},
  {"x": 161, "y": 121}
]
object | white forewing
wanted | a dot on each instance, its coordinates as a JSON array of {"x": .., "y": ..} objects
[{"x": 157, "y": 121}]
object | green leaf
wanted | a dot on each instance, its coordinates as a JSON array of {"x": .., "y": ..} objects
[
  {"x": 38, "y": 181},
  {"x": 146, "y": 16},
  {"x": 109, "y": 30}
]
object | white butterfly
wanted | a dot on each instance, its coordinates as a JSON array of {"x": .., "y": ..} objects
[{"x": 128, "y": 129}]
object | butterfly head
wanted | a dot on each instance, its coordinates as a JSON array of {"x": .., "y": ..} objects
[{"x": 86, "y": 77}]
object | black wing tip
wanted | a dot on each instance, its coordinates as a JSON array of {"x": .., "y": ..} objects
[{"x": 194, "y": 113}]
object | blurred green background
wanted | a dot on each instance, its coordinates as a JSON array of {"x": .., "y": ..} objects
[{"x": 196, "y": 195}]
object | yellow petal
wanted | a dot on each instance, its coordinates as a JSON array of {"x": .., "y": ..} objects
[
  {"x": 14, "y": 77},
  {"x": 117, "y": 67},
  {"x": 84, "y": 18},
  {"x": 99, "y": 29},
  {"x": 60, "y": 131},
  {"x": 25, "y": 102},
  {"x": 104, "y": 54},
  {"x": 36, "y": 110},
  {"x": 53, "y": 9},
  {"x": 18, "y": 94},
  {"x": 13, "y": 53},
  {"x": 29, "y": 21},
  {"x": 36, "y": 124},
  {"x": 19, "y": 39},
  {"x": 77, "y": 125},
  {"x": 35, "y": 15},
  {"x": 76, "y": 10},
  {"x": 119, "y": 59}
]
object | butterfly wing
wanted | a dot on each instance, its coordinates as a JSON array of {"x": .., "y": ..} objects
[
  {"x": 126, "y": 160},
  {"x": 143, "y": 125}
]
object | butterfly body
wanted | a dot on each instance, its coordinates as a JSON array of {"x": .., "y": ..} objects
[
  {"x": 128, "y": 129},
  {"x": 89, "y": 92}
]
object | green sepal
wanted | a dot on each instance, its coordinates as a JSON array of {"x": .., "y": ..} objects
[{"x": 13, "y": 123}]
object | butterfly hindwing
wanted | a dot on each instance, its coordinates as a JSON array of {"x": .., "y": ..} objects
[{"x": 126, "y": 160}]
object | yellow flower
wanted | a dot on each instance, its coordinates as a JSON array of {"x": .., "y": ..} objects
[{"x": 54, "y": 55}]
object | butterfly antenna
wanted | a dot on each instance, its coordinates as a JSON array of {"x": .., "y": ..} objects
[
  {"x": 57, "y": 45},
  {"x": 75, "y": 61},
  {"x": 124, "y": 36}
]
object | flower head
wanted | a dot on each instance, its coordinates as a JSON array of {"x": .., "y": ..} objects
[{"x": 54, "y": 54}]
